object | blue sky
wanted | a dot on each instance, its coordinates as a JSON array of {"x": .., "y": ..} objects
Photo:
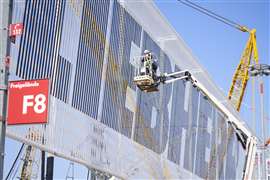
[{"x": 217, "y": 46}]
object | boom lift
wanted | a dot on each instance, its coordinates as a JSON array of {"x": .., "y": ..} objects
[
  {"x": 240, "y": 77},
  {"x": 148, "y": 80},
  {"x": 147, "y": 84},
  {"x": 237, "y": 88}
]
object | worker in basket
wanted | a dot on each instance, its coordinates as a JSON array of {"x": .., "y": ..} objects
[{"x": 149, "y": 64}]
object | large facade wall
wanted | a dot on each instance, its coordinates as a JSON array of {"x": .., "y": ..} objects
[{"x": 98, "y": 117}]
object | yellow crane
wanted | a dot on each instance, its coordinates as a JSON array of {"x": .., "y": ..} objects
[{"x": 241, "y": 75}]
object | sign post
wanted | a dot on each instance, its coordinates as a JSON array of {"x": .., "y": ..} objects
[
  {"x": 5, "y": 14},
  {"x": 28, "y": 102}
]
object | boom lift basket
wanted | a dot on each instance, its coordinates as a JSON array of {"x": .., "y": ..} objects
[{"x": 145, "y": 80}]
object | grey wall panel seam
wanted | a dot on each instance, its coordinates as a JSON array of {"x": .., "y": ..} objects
[
  {"x": 29, "y": 40},
  {"x": 105, "y": 61},
  {"x": 33, "y": 43},
  {"x": 51, "y": 41},
  {"x": 40, "y": 50},
  {"x": 63, "y": 71},
  {"x": 69, "y": 82},
  {"x": 36, "y": 60},
  {"x": 25, "y": 35},
  {"x": 43, "y": 44},
  {"x": 74, "y": 65},
  {"x": 25, "y": 43},
  {"x": 65, "y": 77},
  {"x": 47, "y": 57}
]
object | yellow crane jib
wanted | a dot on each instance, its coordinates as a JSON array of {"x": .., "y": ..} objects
[{"x": 241, "y": 74}]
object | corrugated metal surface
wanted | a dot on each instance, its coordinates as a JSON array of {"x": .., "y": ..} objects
[
  {"x": 90, "y": 57},
  {"x": 41, "y": 38},
  {"x": 62, "y": 78},
  {"x": 97, "y": 115},
  {"x": 120, "y": 72}
]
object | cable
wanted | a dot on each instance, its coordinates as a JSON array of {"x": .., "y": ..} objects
[
  {"x": 15, "y": 161},
  {"x": 213, "y": 15},
  {"x": 208, "y": 13}
]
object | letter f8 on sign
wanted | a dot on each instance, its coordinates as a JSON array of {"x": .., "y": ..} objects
[{"x": 28, "y": 102}]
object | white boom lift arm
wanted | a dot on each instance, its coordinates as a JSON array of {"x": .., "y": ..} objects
[
  {"x": 149, "y": 82},
  {"x": 171, "y": 77}
]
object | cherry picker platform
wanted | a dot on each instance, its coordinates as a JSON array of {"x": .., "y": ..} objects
[
  {"x": 147, "y": 83},
  {"x": 147, "y": 79}
]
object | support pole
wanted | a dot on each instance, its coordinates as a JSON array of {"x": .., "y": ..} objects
[
  {"x": 253, "y": 105},
  {"x": 50, "y": 164},
  {"x": 88, "y": 173},
  {"x": 262, "y": 124},
  {"x": 5, "y": 19},
  {"x": 42, "y": 165}
]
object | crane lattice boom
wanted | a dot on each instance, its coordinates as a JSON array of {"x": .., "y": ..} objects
[{"x": 241, "y": 74}]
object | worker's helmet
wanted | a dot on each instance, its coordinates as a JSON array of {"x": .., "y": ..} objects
[
  {"x": 146, "y": 51},
  {"x": 147, "y": 55}
]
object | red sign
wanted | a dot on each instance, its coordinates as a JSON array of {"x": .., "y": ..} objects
[
  {"x": 28, "y": 101},
  {"x": 15, "y": 29}
]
